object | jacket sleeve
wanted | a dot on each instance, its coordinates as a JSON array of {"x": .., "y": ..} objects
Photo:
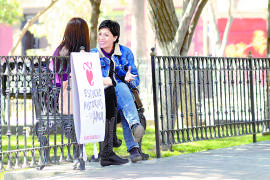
[{"x": 130, "y": 58}]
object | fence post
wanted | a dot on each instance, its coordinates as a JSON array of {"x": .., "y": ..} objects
[
  {"x": 153, "y": 54},
  {"x": 252, "y": 97}
]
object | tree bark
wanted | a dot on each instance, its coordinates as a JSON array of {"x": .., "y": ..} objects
[
  {"x": 221, "y": 45},
  {"x": 187, "y": 42},
  {"x": 164, "y": 22},
  {"x": 267, "y": 106},
  {"x": 268, "y": 30},
  {"x": 205, "y": 35},
  {"x": 95, "y": 4},
  {"x": 173, "y": 39},
  {"x": 227, "y": 30},
  {"x": 28, "y": 24},
  {"x": 216, "y": 36},
  {"x": 185, "y": 3},
  {"x": 183, "y": 28},
  {"x": 138, "y": 28}
]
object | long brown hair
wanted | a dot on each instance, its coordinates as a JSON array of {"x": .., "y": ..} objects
[{"x": 76, "y": 35}]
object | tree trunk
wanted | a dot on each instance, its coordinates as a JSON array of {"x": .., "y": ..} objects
[
  {"x": 185, "y": 3},
  {"x": 138, "y": 28},
  {"x": 95, "y": 4},
  {"x": 220, "y": 47},
  {"x": 174, "y": 40},
  {"x": 205, "y": 35},
  {"x": 164, "y": 22},
  {"x": 182, "y": 30},
  {"x": 227, "y": 30},
  {"x": 196, "y": 17},
  {"x": 266, "y": 114},
  {"x": 216, "y": 42},
  {"x": 27, "y": 25},
  {"x": 268, "y": 30}
]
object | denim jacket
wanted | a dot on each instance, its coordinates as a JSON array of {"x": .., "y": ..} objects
[{"x": 122, "y": 59}]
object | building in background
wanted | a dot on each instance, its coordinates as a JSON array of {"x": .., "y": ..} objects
[
  {"x": 248, "y": 30},
  {"x": 8, "y": 34}
]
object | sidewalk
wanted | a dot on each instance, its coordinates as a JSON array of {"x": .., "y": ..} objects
[{"x": 246, "y": 162}]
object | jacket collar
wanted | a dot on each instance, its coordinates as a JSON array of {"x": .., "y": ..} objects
[{"x": 117, "y": 51}]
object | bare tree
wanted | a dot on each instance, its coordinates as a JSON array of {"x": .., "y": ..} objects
[
  {"x": 268, "y": 30},
  {"x": 94, "y": 22},
  {"x": 205, "y": 34},
  {"x": 138, "y": 28},
  {"x": 267, "y": 103},
  {"x": 174, "y": 38},
  {"x": 220, "y": 45},
  {"x": 28, "y": 24},
  {"x": 164, "y": 22},
  {"x": 187, "y": 27}
]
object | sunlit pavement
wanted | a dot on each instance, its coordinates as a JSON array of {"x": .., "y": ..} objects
[{"x": 247, "y": 162}]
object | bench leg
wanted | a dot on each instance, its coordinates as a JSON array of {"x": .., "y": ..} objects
[
  {"x": 45, "y": 152},
  {"x": 78, "y": 157},
  {"x": 78, "y": 162}
]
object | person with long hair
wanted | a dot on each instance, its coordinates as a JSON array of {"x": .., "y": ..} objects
[
  {"x": 75, "y": 36},
  {"x": 119, "y": 70}
]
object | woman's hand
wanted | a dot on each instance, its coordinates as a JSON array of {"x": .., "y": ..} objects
[
  {"x": 107, "y": 81},
  {"x": 129, "y": 77}
]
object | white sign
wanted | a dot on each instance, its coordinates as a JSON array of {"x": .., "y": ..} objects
[{"x": 88, "y": 97}]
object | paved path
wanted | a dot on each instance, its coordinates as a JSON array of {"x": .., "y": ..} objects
[{"x": 246, "y": 162}]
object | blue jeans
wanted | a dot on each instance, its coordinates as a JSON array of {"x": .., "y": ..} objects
[
  {"x": 125, "y": 102},
  {"x": 130, "y": 143},
  {"x": 128, "y": 112}
]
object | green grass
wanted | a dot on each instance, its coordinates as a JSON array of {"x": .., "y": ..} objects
[{"x": 148, "y": 145}]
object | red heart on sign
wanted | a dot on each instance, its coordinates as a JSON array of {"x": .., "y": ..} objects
[{"x": 89, "y": 76}]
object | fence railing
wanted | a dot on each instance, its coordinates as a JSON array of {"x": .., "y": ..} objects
[
  {"x": 201, "y": 98},
  {"x": 195, "y": 98},
  {"x": 32, "y": 131}
]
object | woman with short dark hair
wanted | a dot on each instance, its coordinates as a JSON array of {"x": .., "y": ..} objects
[{"x": 119, "y": 70}]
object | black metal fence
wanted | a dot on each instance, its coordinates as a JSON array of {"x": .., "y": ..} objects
[
  {"x": 32, "y": 131},
  {"x": 201, "y": 98},
  {"x": 195, "y": 98}
]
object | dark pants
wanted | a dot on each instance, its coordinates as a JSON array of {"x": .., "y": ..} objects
[{"x": 111, "y": 112}]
